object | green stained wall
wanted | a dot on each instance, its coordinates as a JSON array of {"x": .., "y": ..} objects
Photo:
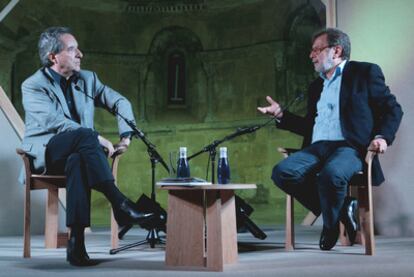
[{"x": 236, "y": 52}]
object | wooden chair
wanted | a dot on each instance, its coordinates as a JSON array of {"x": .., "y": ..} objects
[
  {"x": 52, "y": 183},
  {"x": 361, "y": 187}
]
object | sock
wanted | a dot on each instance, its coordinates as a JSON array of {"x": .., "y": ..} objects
[
  {"x": 112, "y": 193},
  {"x": 78, "y": 233}
]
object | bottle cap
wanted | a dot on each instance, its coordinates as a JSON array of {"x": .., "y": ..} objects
[
  {"x": 183, "y": 152},
  {"x": 223, "y": 151}
]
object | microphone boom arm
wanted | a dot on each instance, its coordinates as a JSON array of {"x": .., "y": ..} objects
[
  {"x": 154, "y": 155},
  {"x": 245, "y": 130}
]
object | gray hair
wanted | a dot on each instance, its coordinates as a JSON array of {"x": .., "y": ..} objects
[
  {"x": 336, "y": 37},
  {"x": 50, "y": 43}
]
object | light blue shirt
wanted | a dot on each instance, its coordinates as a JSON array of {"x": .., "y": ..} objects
[{"x": 327, "y": 122}]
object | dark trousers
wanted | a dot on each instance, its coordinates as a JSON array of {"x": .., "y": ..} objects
[
  {"x": 318, "y": 177},
  {"x": 78, "y": 155}
]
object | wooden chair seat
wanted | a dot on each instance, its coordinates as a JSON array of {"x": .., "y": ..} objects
[{"x": 361, "y": 187}]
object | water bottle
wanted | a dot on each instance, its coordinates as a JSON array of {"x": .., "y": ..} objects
[
  {"x": 183, "y": 169},
  {"x": 223, "y": 168}
]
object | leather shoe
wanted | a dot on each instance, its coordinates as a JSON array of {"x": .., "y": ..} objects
[
  {"x": 76, "y": 253},
  {"x": 127, "y": 213},
  {"x": 329, "y": 237},
  {"x": 349, "y": 217}
]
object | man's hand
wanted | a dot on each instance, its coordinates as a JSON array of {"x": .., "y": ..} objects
[
  {"x": 378, "y": 145},
  {"x": 122, "y": 145},
  {"x": 107, "y": 144},
  {"x": 274, "y": 108}
]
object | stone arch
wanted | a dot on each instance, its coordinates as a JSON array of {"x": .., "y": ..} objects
[{"x": 175, "y": 36}]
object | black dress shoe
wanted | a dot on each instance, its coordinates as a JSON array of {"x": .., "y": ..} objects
[
  {"x": 349, "y": 217},
  {"x": 76, "y": 253},
  {"x": 127, "y": 213},
  {"x": 329, "y": 237}
]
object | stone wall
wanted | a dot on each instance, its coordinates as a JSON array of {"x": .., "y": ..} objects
[{"x": 236, "y": 53}]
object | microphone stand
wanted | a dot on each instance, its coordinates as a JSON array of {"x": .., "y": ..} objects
[
  {"x": 152, "y": 236},
  {"x": 240, "y": 209},
  {"x": 243, "y": 210}
]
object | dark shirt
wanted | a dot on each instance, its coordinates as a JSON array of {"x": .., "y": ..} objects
[{"x": 66, "y": 86}]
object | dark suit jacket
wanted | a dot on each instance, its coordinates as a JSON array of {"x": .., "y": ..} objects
[{"x": 367, "y": 109}]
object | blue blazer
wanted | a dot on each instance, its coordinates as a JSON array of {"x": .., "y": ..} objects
[{"x": 367, "y": 109}]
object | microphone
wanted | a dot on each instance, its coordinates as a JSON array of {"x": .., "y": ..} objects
[
  {"x": 299, "y": 97},
  {"x": 246, "y": 130},
  {"x": 78, "y": 88}
]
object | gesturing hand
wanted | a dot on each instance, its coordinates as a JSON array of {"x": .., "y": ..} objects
[{"x": 273, "y": 109}]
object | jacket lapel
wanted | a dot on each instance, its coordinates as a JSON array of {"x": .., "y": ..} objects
[
  {"x": 78, "y": 89},
  {"x": 55, "y": 88},
  {"x": 346, "y": 87}
]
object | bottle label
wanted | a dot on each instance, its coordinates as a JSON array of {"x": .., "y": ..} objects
[
  {"x": 223, "y": 171},
  {"x": 183, "y": 169}
]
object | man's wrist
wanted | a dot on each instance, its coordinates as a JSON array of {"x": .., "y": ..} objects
[
  {"x": 127, "y": 135},
  {"x": 381, "y": 137}
]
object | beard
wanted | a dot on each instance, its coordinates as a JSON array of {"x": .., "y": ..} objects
[{"x": 325, "y": 66}]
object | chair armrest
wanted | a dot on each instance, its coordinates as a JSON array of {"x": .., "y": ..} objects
[
  {"x": 20, "y": 151},
  {"x": 115, "y": 161},
  {"x": 25, "y": 158}
]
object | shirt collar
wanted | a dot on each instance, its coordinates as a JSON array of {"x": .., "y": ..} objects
[
  {"x": 338, "y": 71},
  {"x": 59, "y": 78}
]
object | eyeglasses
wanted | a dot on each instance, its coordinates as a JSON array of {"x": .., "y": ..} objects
[{"x": 317, "y": 50}]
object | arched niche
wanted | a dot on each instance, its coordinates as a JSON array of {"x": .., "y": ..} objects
[{"x": 185, "y": 72}]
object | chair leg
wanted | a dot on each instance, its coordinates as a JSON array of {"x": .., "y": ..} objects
[
  {"x": 354, "y": 192},
  {"x": 343, "y": 236},
  {"x": 114, "y": 224},
  {"x": 26, "y": 223},
  {"x": 63, "y": 236},
  {"x": 367, "y": 220},
  {"x": 114, "y": 232},
  {"x": 290, "y": 224},
  {"x": 51, "y": 224}
]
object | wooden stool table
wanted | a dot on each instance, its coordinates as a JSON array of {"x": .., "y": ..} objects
[{"x": 201, "y": 226}]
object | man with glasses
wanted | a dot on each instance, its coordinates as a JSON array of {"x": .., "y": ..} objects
[{"x": 350, "y": 110}]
